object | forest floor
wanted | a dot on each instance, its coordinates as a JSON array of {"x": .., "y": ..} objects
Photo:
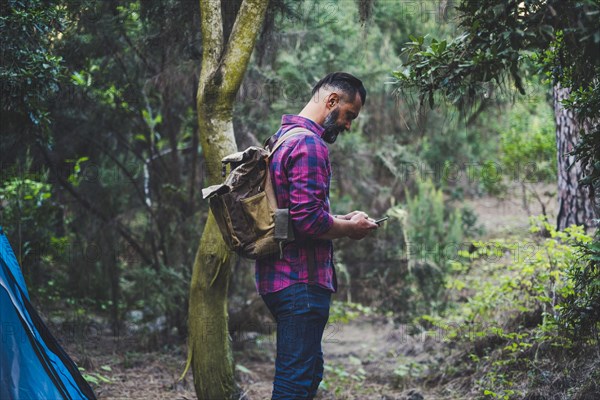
[
  {"x": 365, "y": 359},
  {"x": 369, "y": 357}
]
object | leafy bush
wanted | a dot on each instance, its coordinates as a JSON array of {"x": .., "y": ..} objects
[
  {"x": 529, "y": 144},
  {"x": 434, "y": 232},
  {"x": 512, "y": 303},
  {"x": 30, "y": 220},
  {"x": 403, "y": 267},
  {"x": 374, "y": 271},
  {"x": 580, "y": 311},
  {"x": 344, "y": 312}
]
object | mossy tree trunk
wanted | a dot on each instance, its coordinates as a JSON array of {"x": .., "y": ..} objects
[
  {"x": 223, "y": 67},
  {"x": 575, "y": 201}
]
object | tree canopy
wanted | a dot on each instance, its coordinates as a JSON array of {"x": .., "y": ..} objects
[{"x": 500, "y": 39}]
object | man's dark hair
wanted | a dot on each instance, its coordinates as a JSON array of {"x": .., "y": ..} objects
[{"x": 345, "y": 82}]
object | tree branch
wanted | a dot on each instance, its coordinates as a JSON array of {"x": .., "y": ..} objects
[
  {"x": 110, "y": 154},
  {"x": 212, "y": 38},
  {"x": 240, "y": 45},
  {"x": 95, "y": 211}
]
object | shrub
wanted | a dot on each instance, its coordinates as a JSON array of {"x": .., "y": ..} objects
[
  {"x": 513, "y": 299},
  {"x": 434, "y": 232},
  {"x": 579, "y": 313}
]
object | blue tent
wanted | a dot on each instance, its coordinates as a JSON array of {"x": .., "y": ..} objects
[{"x": 32, "y": 363}]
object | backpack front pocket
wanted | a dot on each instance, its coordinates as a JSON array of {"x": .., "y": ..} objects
[{"x": 258, "y": 212}]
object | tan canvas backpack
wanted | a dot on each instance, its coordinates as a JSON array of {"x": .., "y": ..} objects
[{"x": 245, "y": 206}]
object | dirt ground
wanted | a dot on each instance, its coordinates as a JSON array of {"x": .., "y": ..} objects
[
  {"x": 361, "y": 356},
  {"x": 499, "y": 216},
  {"x": 366, "y": 358}
]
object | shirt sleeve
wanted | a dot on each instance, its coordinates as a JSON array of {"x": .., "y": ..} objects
[{"x": 308, "y": 175}]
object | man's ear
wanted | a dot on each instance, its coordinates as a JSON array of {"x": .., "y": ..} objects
[{"x": 333, "y": 99}]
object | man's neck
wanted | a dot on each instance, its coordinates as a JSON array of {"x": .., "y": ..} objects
[
  {"x": 307, "y": 116},
  {"x": 310, "y": 113}
]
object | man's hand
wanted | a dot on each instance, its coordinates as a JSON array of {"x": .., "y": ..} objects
[
  {"x": 355, "y": 225},
  {"x": 362, "y": 225},
  {"x": 352, "y": 214}
]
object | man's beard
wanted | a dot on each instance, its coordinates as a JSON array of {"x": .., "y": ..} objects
[{"x": 332, "y": 129}]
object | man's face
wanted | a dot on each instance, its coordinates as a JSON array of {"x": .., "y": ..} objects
[{"x": 340, "y": 118}]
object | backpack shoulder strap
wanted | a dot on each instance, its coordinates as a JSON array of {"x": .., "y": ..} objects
[
  {"x": 286, "y": 136},
  {"x": 268, "y": 185}
]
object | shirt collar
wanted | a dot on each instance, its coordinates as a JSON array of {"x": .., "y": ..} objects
[{"x": 289, "y": 121}]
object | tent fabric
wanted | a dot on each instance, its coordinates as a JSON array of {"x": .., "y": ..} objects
[{"x": 33, "y": 365}]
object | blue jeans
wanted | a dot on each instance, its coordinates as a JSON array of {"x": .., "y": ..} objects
[{"x": 301, "y": 312}]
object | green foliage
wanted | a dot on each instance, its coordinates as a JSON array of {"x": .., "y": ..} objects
[
  {"x": 511, "y": 296},
  {"x": 143, "y": 291},
  {"x": 340, "y": 380},
  {"x": 407, "y": 263},
  {"x": 536, "y": 277},
  {"x": 579, "y": 313},
  {"x": 407, "y": 372},
  {"x": 526, "y": 148},
  {"x": 495, "y": 34},
  {"x": 377, "y": 268},
  {"x": 24, "y": 197},
  {"x": 404, "y": 267},
  {"x": 434, "y": 231},
  {"x": 587, "y": 151},
  {"x": 501, "y": 41},
  {"x": 30, "y": 70},
  {"x": 432, "y": 226},
  {"x": 96, "y": 377},
  {"x": 344, "y": 312},
  {"x": 307, "y": 36},
  {"x": 530, "y": 143},
  {"x": 29, "y": 216}
]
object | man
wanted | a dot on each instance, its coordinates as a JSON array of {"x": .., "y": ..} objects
[{"x": 297, "y": 287}]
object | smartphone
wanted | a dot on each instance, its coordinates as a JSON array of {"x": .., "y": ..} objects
[{"x": 380, "y": 220}]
